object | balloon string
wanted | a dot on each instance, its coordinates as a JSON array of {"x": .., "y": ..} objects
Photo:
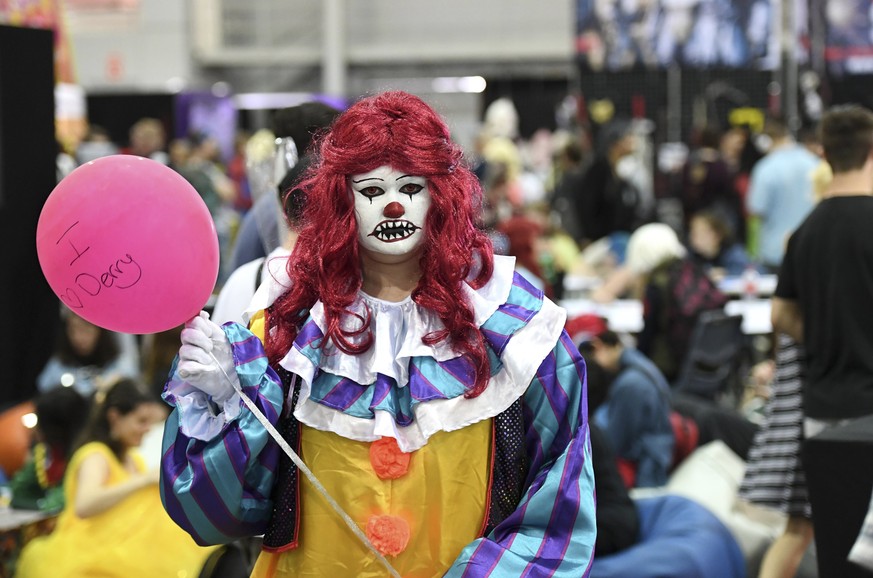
[{"x": 306, "y": 471}]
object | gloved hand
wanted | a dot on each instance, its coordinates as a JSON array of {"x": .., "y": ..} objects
[{"x": 200, "y": 337}]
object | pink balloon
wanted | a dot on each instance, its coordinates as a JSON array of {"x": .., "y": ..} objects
[{"x": 128, "y": 244}]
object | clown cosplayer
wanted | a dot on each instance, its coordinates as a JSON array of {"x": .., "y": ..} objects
[{"x": 431, "y": 391}]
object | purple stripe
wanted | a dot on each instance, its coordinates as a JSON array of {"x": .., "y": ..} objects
[
  {"x": 558, "y": 400},
  {"x": 228, "y": 441},
  {"x": 497, "y": 341},
  {"x": 343, "y": 395},
  {"x": 267, "y": 456},
  {"x": 307, "y": 335},
  {"x": 579, "y": 363},
  {"x": 532, "y": 443},
  {"x": 516, "y": 311},
  {"x": 214, "y": 504},
  {"x": 381, "y": 389},
  {"x": 559, "y": 531},
  {"x": 522, "y": 283},
  {"x": 262, "y": 402},
  {"x": 249, "y": 342},
  {"x": 248, "y": 350},
  {"x": 474, "y": 570},
  {"x": 460, "y": 369},
  {"x": 573, "y": 353},
  {"x": 420, "y": 387},
  {"x": 250, "y": 356},
  {"x": 173, "y": 506}
]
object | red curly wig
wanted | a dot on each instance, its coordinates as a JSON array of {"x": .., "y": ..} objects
[{"x": 399, "y": 130}]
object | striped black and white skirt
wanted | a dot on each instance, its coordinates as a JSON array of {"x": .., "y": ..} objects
[{"x": 774, "y": 475}]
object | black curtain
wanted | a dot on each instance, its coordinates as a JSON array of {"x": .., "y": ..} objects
[{"x": 28, "y": 308}]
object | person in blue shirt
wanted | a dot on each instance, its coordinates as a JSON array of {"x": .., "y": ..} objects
[
  {"x": 635, "y": 412},
  {"x": 780, "y": 193}
]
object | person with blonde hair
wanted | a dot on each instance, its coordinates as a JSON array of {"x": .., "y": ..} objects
[{"x": 674, "y": 290}]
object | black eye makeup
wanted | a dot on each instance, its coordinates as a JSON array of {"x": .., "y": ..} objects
[
  {"x": 371, "y": 192},
  {"x": 411, "y": 189}
]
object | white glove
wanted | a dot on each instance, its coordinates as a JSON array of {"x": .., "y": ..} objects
[{"x": 200, "y": 337}]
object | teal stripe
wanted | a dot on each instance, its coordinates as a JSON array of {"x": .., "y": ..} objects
[
  {"x": 192, "y": 512},
  {"x": 567, "y": 394},
  {"x": 399, "y": 400},
  {"x": 538, "y": 513},
  {"x": 581, "y": 550},
  {"x": 506, "y": 324},
  {"x": 230, "y": 491}
]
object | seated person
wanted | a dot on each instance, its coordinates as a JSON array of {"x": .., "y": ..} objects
[
  {"x": 675, "y": 291},
  {"x": 38, "y": 485},
  {"x": 635, "y": 412},
  {"x": 712, "y": 246},
  {"x": 113, "y": 524},
  {"x": 88, "y": 357},
  {"x": 618, "y": 522}
]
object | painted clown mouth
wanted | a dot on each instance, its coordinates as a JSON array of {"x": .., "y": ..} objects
[{"x": 393, "y": 231}]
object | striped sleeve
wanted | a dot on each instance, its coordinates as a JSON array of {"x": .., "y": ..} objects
[
  {"x": 553, "y": 530},
  {"x": 218, "y": 489}
]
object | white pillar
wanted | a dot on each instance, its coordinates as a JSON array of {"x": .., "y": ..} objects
[{"x": 333, "y": 57}]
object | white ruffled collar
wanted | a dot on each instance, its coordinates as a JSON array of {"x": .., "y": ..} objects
[
  {"x": 397, "y": 332},
  {"x": 398, "y": 329}
]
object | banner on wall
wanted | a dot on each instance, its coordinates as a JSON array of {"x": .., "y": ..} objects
[
  {"x": 848, "y": 35},
  {"x": 47, "y": 14},
  {"x": 617, "y": 35}
]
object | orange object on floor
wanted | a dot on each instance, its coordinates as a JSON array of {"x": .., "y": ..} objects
[{"x": 15, "y": 438}]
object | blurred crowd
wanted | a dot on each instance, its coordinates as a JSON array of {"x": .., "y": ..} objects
[{"x": 582, "y": 202}]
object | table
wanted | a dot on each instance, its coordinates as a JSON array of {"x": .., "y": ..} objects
[
  {"x": 755, "y": 312},
  {"x": 626, "y": 315},
  {"x": 734, "y": 285},
  {"x": 17, "y": 528},
  {"x": 622, "y": 315}
]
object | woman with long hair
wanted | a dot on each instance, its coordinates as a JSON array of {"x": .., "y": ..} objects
[
  {"x": 112, "y": 524},
  {"x": 87, "y": 357},
  {"x": 432, "y": 392}
]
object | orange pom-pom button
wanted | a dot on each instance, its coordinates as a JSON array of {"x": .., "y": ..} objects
[
  {"x": 388, "y": 534},
  {"x": 387, "y": 460}
]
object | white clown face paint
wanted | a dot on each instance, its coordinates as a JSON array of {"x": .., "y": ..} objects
[{"x": 390, "y": 208}]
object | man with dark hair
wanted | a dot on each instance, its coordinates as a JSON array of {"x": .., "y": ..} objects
[
  {"x": 823, "y": 296},
  {"x": 603, "y": 201},
  {"x": 635, "y": 412},
  {"x": 260, "y": 231},
  {"x": 708, "y": 184},
  {"x": 264, "y": 241},
  {"x": 780, "y": 193}
]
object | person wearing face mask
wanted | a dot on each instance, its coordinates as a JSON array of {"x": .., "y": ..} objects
[
  {"x": 430, "y": 390},
  {"x": 605, "y": 201}
]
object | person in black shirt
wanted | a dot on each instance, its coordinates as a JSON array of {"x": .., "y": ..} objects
[
  {"x": 822, "y": 299},
  {"x": 603, "y": 201}
]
